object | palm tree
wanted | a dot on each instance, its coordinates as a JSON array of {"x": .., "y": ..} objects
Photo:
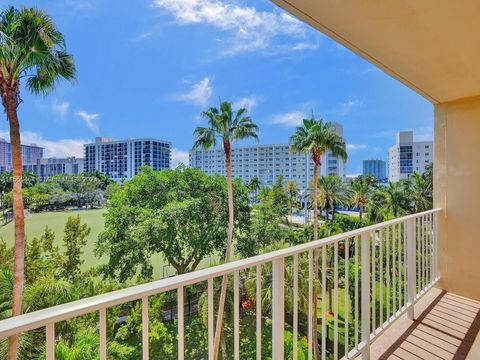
[
  {"x": 317, "y": 137},
  {"x": 396, "y": 198},
  {"x": 31, "y": 48},
  {"x": 331, "y": 192},
  {"x": 254, "y": 186},
  {"x": 420, "y": 191},
  {"x": 362, "y": 190},
  {"x": 292, "y": 190},
  {"x": 226, "y": 125}
]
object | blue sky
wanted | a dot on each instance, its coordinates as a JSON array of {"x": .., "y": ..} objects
[{"x": 149, "y": 67}]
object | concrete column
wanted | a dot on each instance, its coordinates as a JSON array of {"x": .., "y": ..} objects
[{"x": 457, "y": 191}]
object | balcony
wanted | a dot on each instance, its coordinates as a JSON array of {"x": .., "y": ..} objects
[{"x": 380, "y": 279}]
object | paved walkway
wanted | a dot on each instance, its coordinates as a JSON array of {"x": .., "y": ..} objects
[{"x": 446, "y": 327}]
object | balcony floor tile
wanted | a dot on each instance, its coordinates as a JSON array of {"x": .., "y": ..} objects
[{"x": 446, "y": 327}]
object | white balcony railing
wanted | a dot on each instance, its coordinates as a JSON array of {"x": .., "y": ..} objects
[{"x": 394, "y": 264}]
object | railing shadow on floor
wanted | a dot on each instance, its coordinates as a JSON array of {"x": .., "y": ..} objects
[{"x": 445, "y": 330}]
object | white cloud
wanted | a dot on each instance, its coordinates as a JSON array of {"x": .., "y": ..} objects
[
  {"x": 247, "y": 102},
  {"x": 346, "y": 107},
  {"x": 293, "y": 118},
  {"x": 250, "y": 29},
  {"x": 60, "y": 108},
  {"x": 199, "y": 93},
  {"x": 305, "y": 46},
  {"x": 91, "y": 120},
  {"x": 142, "y": 36},
  {"x": 53, "y": 148},
  {"x": 179, "y": 157},
  {"x": 353, "y": 147}
]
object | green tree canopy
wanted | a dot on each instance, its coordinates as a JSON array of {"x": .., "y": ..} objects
[{"x": 181, "y": 214}]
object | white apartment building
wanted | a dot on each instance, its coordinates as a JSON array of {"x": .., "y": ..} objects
[
  {"x": 47, "y": 167},
  {"x": 122, "y": 159},
  {"x": 30, "y": 155},
  {"x": 407, "y": 156},
  {"x": 267, "y": 162}
]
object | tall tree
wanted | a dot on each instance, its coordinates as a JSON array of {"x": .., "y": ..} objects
[
  {"x": 332, "y": 192},
  {"x": 225, "y": 125},
  {"x": 362, "y": 189},
  {"x": 292, "y": 190},
  {"x": 420, "y": 191},
  {"x": 31, "y": 48},
  {"x": 254, "y": 186},
  {"x": 317, "y": 137},
  {"x": 74, "y": 240},
  {"x": 181, "y": 214},
  {"x": 397, "y": 201}
]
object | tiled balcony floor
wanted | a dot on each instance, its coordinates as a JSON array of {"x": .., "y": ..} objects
[{"x": 446, "y": 327}]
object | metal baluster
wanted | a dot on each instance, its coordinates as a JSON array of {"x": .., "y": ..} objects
[
  {"x": 394, "y": 281},
  {"x": 335, "y": 301},
  {"x": 145, "y": 336},
  {"x": 278, "y": 308},
  {"x": 381, "y": 233},
  {"x": 366, "y": 296},
  {"x": 388, "y": 273},
  {"x": 102, "y": 322},
  {"x": 324, "y": 302},
  {"x": 346, "y": 292},
  {"x": 310, "y": 303},
  {"x": 236, "y": 315},
  {"x": 399, "y": 239},
  {"x": 374, "y": 265},
  {"x": 295, "y": 307},
  {"x": 411, "y": 259},
  {"x": 211, "y": 310},
  {"x": 50, "y": 341},
  {"x": 259, "y": 312},
  {"x": 405, "y": 264},
  {"x": 356, "y": 292},
  {"x": 180, "y": 312}
]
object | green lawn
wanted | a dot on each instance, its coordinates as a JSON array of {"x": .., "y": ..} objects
[{"x": 35, "y": 225}]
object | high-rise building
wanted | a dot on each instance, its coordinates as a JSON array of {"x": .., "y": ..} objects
[
  {"x": 407, "y": 156},
  {"x": 30, "y": 155},
  {"x": 377, "y": 168},
  {"x": 47, "y": 167},
  {"x": 122, "y": 159},
  {"x": 267, "y": 162}
]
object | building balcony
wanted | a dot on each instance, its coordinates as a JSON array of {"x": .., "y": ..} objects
[{"x": 381, "y": 281}]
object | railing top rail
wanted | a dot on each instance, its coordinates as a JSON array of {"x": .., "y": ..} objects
[{"x": 30, "y": 321}]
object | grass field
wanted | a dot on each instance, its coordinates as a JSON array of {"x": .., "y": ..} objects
[{"x": 35, "y": 225}]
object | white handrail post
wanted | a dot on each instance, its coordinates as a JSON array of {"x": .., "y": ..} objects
[
  {"x": 411, "y": 268},
  {"x": 366, "y": 296},
  {"x": 436, "y": 239},
  {"x": 50, "y": 341},
  {"x": 278, "y": 314}
]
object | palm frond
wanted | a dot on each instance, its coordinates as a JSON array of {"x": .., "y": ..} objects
[
  {"x": 204, "y": 138},
  {"x": 32, "y": 47}
]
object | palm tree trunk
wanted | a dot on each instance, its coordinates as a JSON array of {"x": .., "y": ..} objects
[
  {"x": 314, "y": 337},
  {"x": 360, "y": 215},
  {"x": 19, "y": 221},
  {"x": 223, "y": 294}
]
